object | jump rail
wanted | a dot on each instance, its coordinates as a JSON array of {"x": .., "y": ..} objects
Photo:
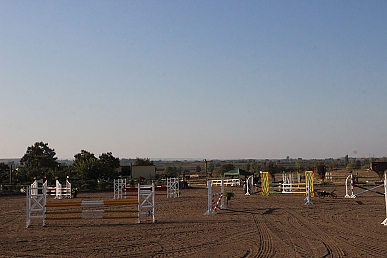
[
  {"x": 220, "y": 200},
  {"x": 38, "y": 208}
]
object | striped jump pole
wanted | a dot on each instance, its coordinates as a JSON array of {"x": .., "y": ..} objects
[
  {"x": 265, "y": 186},
  {"x": 309, "y": 187}
]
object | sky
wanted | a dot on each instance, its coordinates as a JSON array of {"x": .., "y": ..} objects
[{"x": 194, "y": 79}]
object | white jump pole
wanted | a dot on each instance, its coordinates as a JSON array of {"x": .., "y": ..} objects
[{"x": 385, "y": 196}]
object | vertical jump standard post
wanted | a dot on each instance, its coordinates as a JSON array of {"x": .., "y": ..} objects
[
  {"x": 385, "y": 196},
  {"x": 309, "y": 187},
  {"x": 250, "y": 185},
  {"x": 265, "y": 184}
]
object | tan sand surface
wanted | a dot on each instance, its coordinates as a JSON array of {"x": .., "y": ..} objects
[{"x": 252, "y": 226}]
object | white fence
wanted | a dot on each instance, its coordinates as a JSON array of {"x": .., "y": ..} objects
[{"x": 227, "y": 182}]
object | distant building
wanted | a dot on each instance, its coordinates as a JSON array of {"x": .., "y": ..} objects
[
  {"x": 378, "y": 166},
  {"x": 135, "y": 172}
]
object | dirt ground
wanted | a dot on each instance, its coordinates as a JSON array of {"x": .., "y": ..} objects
[{"x": 253, "y": 226}]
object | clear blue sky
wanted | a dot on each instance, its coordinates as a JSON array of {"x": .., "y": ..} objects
[{"x": 194, "y": 79}]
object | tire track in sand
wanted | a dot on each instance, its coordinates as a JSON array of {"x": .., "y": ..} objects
[{"x": 310, "y": 231}]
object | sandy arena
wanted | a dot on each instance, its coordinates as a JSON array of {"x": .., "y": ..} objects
[{"x": 252, "y": 226}]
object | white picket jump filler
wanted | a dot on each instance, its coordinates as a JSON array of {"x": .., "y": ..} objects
[
  {"x": 58, "y": 191},
  {"x": 36, "y": 206},
  {"x": 34, "y": 187},
  {"x": 173, "y": 189},
  {"x": 287, "y": 181},
  {"x": 210, "y": 210},
  {"x": 250, "y": 185},
  {"x": 385, "y": 197}
]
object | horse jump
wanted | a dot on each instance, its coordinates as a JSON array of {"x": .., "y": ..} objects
[
  {"x": 289, "y": 186},
  {"x": 121, "y": 190},
  {"x": 309, "y": 191},
  {"x": 219, "y": 204},
  {"x": 38, "y": 208},
  {"x": 350, "y": 185}
]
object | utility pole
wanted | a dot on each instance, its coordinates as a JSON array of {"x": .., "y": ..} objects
[{"x": 205, "y": 166}]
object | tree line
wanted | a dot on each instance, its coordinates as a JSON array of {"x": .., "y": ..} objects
[{"x": 40, "y": 162}]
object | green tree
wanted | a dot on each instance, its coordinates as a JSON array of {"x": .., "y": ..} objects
[
  {"x": 210, "y": 166},
  {"x": 143, "y": 162},
  {"x": 321, "y": 170},
  {"x": 109, "y": 164},
  {"x": 255, "y": 167},
  {"x": 224, "y": 168},
  {"x": 247, "y": 166},
  {"x": 4, "y": 173},
  {"x": 86, "y": 166},
  {"x": 38, "y": 161},
  {"x": 271, "y": 168},
  {"x": 354, "y": 165},
  {"x": 298, "y": 165},
  {"x": 198, "y": 169},
  {"x": 170, "y": 171}
]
